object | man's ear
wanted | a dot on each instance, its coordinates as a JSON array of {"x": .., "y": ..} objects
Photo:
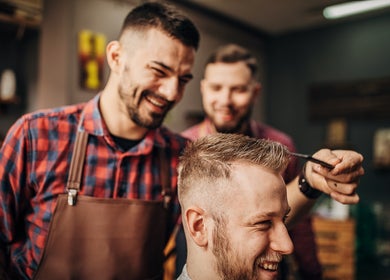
[
  {"x": 196, "y": 225},
  {"x": 113, "y": 55}
]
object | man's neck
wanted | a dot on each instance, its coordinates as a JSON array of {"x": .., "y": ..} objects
[
  {"x": 245, "y": 129},
  {"x": 117, "y": 121}
]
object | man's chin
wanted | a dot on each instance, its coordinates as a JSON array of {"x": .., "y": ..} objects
[
  {"x": 149, "y": 124},
  {"x": 226, "y": 129}
]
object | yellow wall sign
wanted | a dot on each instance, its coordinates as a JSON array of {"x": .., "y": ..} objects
[{"x": 91, "y": 59}]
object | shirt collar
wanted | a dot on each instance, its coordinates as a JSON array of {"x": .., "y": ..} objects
[
  {"x": 207, "y": 127},
  {"x": 91, "y": 119},
  {"x": 184, "y": 274},
  {"x": 92, "y": 122}
]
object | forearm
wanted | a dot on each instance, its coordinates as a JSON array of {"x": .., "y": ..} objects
[{"x": 299, "y": 203}]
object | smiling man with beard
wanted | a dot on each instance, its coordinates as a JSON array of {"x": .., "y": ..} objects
[
  {"x": 88, "y": 191},
  {"x": 234, "y": 207}
]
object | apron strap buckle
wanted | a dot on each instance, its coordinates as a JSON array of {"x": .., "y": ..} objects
[
  {"x": 167, "y": 197},
  {"x": 72, "y": 195}
]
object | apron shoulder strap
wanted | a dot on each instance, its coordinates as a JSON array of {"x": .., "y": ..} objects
[
  {"x": 166, "y": 190},
  {"x": 76, "y": 166}
]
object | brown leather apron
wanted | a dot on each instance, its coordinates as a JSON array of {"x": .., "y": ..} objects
[{"x": 105, "y": 238}]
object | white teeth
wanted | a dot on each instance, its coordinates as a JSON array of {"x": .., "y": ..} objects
[
  {"x": 155, "y": 102},
  {"x": 270, "y": 266}
]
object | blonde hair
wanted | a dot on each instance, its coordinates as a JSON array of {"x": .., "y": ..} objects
[{"x": 205, "y": 165}]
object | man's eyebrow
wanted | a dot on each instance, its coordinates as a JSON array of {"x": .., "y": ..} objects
[
  {"x": 163, "y": 65},
  {"x": 188, "y": 76},
  {"x": 268, "y": 214}
]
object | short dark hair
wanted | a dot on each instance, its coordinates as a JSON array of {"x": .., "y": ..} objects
[
  {"x": 165, "y": 18},
  {"x": 232, "y": 53}
]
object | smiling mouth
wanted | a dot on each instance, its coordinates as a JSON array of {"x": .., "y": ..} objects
[
  {"x": 225, "y": 114},
  {"x": 271, "y": 266},
  {"x": 158, "y": 102}
]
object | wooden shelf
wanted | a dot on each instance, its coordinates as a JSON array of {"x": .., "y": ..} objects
[
  {"x": 6, "y": 105},
  {"x": 20, "y": 20},
  {"x": 336, "y": 247},
  {"x": 14, "y": 100}
]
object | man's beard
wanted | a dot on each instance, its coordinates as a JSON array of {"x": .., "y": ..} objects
[
  {"x": 152, "y": 121},
  {"x": 228, "y": 265},
  {"x": 237, "y": 127},
  {"x": 155, "y": 121}
]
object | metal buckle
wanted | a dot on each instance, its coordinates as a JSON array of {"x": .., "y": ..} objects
[
  {"x": 167, "y": 197},
  {"x": 72, "y": 195}
]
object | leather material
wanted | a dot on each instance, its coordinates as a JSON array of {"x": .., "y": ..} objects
[{"x": 105, "y": 238}]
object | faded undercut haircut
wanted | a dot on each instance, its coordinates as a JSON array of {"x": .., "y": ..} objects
[
  {"x": 232, "y": 53},
  {"x": 208, "y": 160},
  {"x": 165, "y": 18}
]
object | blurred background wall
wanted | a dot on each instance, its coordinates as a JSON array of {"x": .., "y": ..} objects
[{"x": 45, "y": 60}]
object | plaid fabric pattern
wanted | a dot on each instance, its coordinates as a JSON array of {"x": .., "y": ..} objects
[{"x": 34, "y": 166}]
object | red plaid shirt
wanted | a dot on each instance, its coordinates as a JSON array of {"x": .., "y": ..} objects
[{"x": 34, "y": 166}]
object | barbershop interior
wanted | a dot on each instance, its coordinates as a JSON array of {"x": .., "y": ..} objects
[{"x": 324, "y": 81}]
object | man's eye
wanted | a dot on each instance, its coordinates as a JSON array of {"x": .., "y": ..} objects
[
  {"x": 215, "y": 88},
  {"x": 240, "y": 89},
  {"x": 158, "y": 72},
  {"x": 183, "y": 82},
  {"x": 264, "y": 225}
]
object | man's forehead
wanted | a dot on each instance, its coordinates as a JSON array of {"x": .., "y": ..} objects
[
  {"x": 230, "y": 70},
  {"x": 156, "y": 47}
]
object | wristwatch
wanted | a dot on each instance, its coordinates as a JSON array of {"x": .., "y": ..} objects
[{"x": 306, "y": 189}]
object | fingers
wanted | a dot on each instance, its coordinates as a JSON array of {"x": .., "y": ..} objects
[
  {"x": 327, "y": 156},
  {"x": 342, "y": 188},
  {"x": 350, "y": 161},
  {"x": 341, "y": 175},
  {"x": 344, "y": 162},
  {"x": 340, "y": 183},
  {"x": 345, "y": 199},
  {"x": 347, "y": 165}
]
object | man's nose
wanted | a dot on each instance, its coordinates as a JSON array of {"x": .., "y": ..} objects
[
  {"x": 281, "y": 241},
  {"x": 225, "y": 96},
  {"x": 169, "y": 88}
]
